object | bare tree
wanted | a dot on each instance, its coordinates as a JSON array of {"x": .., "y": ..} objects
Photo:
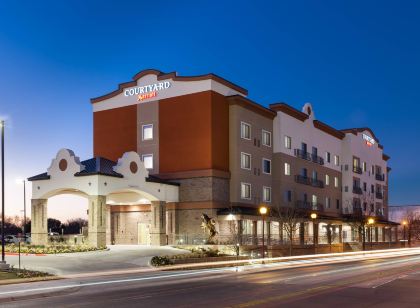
[
  {"x": 413, "y": 225},
  {"x": 289, "y": 219},
  {"x": 358, "y": 220}
]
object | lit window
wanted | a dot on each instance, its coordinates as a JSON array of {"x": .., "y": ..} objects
[
  {"x": 245, "y": 191},
  {"x": 266, "y": 166},
  {"x": 266, "y": 194},
  {"x": 266, "y": 138},
  {"x": 364, "y": 166},
  {"x": 245, "y": 131},
  {"x": 147, "y": 132},
  {"x": 327, "y": 179},
  {"x": 336, "y": 160},
  {"x": 147, "y": 161},
  {"x": 286, "y": 168},
  {"x": 245, "y": 161},
  {"x": 335, "y": 181},
  {"x": 314, "y": 200},
  {"x": 287, "y": 142}
]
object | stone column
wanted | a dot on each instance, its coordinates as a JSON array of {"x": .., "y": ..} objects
[
  {"x": 340, "y": 234},
  {"x": 97, "y": 224},
  {"x": 383, "y": 234},
  {"x": 39, "y": 221},
  {"x": 108, "y": 224},
  {"x": 158, "y": 223},
  {"x": 376, "y": 235}
]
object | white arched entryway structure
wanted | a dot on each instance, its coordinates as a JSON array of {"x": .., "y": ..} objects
[{"x": 104, "y": 183}]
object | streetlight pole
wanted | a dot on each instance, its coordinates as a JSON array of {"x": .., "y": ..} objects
[
  {"x": 404, "y": 224},
  {"x": 2, "y": 192},
  {"x": 263, "y": 211},
  {"x": 371, "y": 221},
  {"x": 315, "y": 234}
]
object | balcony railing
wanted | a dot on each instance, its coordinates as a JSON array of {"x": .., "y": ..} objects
[
  {"x": 357, "y": 190},
  {"x": 380, "y": 177},
  {"x": 379, "y": 195},
  {"x": 357, "y": 209},
  {"x": 306, "y": 205},
  {"x": 357, "y": 169},
  {"x": 301, "y": 179},
  {"x": 317, "y": 183},
  {"x": 308, "y": 156}
]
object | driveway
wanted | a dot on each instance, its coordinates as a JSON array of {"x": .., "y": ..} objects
[{"x": 118, "y": 257}]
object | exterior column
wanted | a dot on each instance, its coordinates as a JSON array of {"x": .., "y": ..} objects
[
  {"x": 39, "y": 221},
  {"x": 315, "y": 227},
  {"x": 97, "y": 221},
  {"x": 268, "y": 225},
  {"x": 254, "y": 233},
  {"x": 302, "y": 233},
  {"x": 340, "y": 234},
  {"x": 108, "y": 224},
  {"x": 376, "y": 235},
  {"x": 383, "y": 234},
  {"x": 158, "y": 223},
  {"x": 281, "y": 232}
]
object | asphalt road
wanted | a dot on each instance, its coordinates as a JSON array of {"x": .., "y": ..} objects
[{"x": 392, "y": 282}]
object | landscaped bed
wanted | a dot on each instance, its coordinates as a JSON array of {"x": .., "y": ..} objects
[
  {"x": 14, "y": 275},
  {"x": 51, "y": 249}
]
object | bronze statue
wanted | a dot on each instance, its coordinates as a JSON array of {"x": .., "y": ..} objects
[{"x": 208, "y": 225}]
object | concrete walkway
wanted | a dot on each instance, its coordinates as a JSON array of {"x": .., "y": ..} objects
[{"x": 118, "y": 257}]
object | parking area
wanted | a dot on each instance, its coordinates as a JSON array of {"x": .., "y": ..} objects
[{"x": 118, "y": 257}]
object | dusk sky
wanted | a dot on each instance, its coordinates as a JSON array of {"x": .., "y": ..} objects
[{"x": 357, "y": 62}]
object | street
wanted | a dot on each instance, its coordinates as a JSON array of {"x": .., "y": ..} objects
[{"x": 389, "y": 282}]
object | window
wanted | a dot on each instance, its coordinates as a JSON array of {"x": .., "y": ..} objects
[
  {"x": 314, "y": 200},
  {"x": 328, "y": 157},
  {"x": 335, "y": 181},
  {"x": 346, "y": 189},
  {"x": 314, "y": 151},
  {"x": 245, "y": 161},
  {"x": 327, "y": 179},
  {"x": 304, "y": 172},
  {"x": 266, "y": 138},
  {"x": 286, "y": 168},
  {"x": 364, "y": 186},
  {"x": 304, "y": 147},
  {"x": 245, "y": 191},
  {"x": 364, "y": 166},
  {"x": 266, "y": 166},
  {"x": 147, "y": 160},
  {"x": 147, "y": 132},
  {"x": 287, "y": 142},
  {"x": 266, "y": 194},
  {"x": 337, "y": 204},
  {"x": 372, "y": 169},
  {"x": 372, "y": 188},
  {"x": 314, "y": 175},
  {"x": 327, "y": 202},
  {"x": 336, "y": 160},
  {"x": 288, "y": 196},
  {"x": 245, "y": 131}
]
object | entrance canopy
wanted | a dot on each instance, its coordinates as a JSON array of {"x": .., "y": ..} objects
[{"x": 125, "y": 182}]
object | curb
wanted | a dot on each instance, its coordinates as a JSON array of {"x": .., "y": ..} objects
[{"x": 26, "y": 254}]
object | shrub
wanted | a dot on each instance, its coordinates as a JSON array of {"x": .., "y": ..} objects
[{"x": 160, "y": 261}]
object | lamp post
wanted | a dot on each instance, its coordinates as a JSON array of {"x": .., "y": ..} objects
[
  {"x": 24, "y": 204},
  {"x": 404, "y": 227},
  {"x": 371, "y": 221},
  {"x": 315, "y": 236},
  {"x": 2, "y": 191},
  {"x": 263, "y": 212}
]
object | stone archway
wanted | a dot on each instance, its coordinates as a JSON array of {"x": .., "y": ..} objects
[{"x": 99, "y": 180}]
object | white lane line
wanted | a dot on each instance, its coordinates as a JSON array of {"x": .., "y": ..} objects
[{"x": 114, "y": 281}]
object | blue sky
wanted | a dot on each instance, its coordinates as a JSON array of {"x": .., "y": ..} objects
[{"x": 356, "y": 61}]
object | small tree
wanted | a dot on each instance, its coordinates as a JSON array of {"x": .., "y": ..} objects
[
  {"x": 413, "y": 225},
  {"x": 289, "y": 219}
]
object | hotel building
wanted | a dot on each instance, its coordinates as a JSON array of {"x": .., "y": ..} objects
[{"x": 168, "y": 149}]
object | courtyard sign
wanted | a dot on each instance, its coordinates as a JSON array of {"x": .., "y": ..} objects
[
  {"x": 369, "y": 140},
  {"x": 147, "y": 91}
]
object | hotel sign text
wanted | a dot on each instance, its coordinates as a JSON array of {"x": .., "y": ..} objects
[
  {"x": 147, "y": 91},
  {"x": 369, "y": 140}
]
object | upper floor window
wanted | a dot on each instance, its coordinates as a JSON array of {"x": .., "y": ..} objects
[
  {"x": 147, "y": 161},
  {"x": 327, "y": 202},
  {"x": 266, "y": 194},
  {"x": 287, "y": 142},
  {"x": 327, "y": 179},
  {"x": 245, "y": 161},
  {"x": 245, "y": 191},
  {"x": 266, "y": 166},
  {"x": 288, "y": 196},
  {"x": 336, "y": 160},
  {"x": 266, "y": 138},
  {"x": 286, "y": 168},
  {"x": 147, "y": 132},
  {"x": 364, "y": 166},
  {"x": 245, "y": 131},
  {"x": 328, "y": 157},
  {"x": 335, "y": 181}
]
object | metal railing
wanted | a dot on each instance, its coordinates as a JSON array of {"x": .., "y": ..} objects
[
  {"x": 380, "y": 177},
  {"x": 357, "y": 190},
  {"x": 306, "y": 205},
  {"x": 301, "y": 179},
  {"x": 379, "y": 195},
  {"x": 317, "y": 183},
  {"x": 308, "y": 156},
  {"x": 357, "y": 169}
]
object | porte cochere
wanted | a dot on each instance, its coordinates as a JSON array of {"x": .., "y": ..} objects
[{"x": 107, "y": 185}]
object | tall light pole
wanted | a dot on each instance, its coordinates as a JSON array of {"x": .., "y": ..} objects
[
  {"x": 404, "y": 226},
  {"x": 2, "y": 191},
  {"x": 315, "y": 234},
  {"x": 263, "y": 212},
  {"x": 371, "y": 221}
]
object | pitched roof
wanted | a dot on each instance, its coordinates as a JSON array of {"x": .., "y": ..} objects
[{"x": 100, "y": 166}]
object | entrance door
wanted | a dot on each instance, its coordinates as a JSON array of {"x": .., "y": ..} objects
[{"x": 143, "y": 234}]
